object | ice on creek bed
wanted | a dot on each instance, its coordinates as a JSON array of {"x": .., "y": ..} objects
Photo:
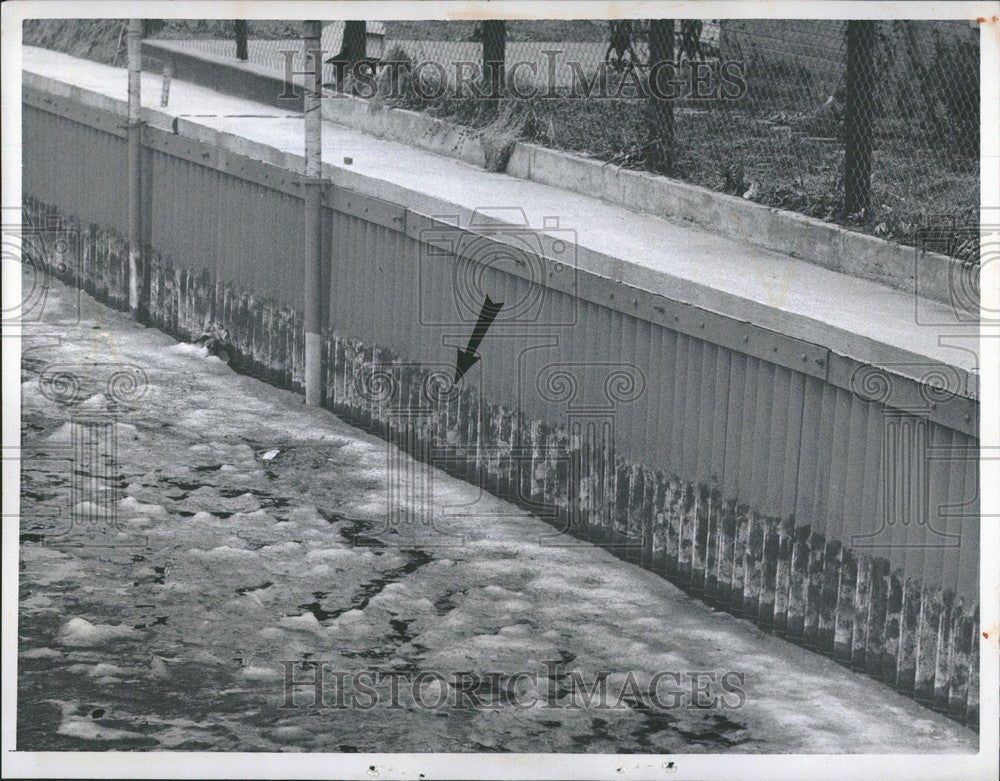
[
  {"x": 48, "y": 566},
  {"x": 194, "y": 351},
  {"x": 37, "y": 603},
  {"x": 104, "y": 670},
  {"x": 62, "y": 435},
  {"x": 307, "y": 622},
  {"x": 41, "y": 653},
  {"x": 88, "y": 729},
  {"x": 130, "y": 507},
  {"x": 224, "y": 554},
  {"x": 399, "y": 599},
  {"x": 260, "y": 673}
]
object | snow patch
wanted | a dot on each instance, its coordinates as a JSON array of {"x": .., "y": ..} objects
[
  {"x": 40, "y": 653},
  {"x": 224, "y": 553},
  {"x": 307, "y": 622},
  {"x": 88, "y": 729},
  {"x": 80, "y": 632},
  {"x": 130, "y": 507},
  {"x": 260, "y": 673},
  {"x": 194, "y": 351}
]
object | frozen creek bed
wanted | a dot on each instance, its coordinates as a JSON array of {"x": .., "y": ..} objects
[{"x": 167, "y": 626}]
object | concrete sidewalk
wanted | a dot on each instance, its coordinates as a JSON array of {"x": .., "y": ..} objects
[{"x": 857, "y": 318}]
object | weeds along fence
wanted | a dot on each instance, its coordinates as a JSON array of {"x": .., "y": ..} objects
[
  {"x": 826, "y": 499},
  {"x": 874, "y": 125}
]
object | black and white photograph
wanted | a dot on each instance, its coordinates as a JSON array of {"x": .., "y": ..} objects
[{"x": 501, "y": 390}]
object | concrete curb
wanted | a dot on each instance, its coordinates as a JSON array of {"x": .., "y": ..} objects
[
  {"x": 408, "y": 127},
  {"x": 255, "y": 82},
  {"x": 828, "y": 245},
  {"x": 928, "y": 274},
  {"x": 244, "y": 79}
]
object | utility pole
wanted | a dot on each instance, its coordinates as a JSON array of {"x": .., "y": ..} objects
[
  {"x": 313, "y": 193},
  {"x": 133, "y": 43}
]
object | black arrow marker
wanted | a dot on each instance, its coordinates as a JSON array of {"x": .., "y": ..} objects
[{"x": 468, "y": 357}]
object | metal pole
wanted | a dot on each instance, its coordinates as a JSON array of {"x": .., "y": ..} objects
[
  {"x": 168, "y": 73},
  {"x": 859, "y": 111},
  {"x": 313, "y": 193},
  {"x": 133, "y": 43},
  {"x": 240, "y": 28}
]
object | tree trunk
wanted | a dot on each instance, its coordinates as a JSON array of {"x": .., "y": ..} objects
[{"x": 660, "y": 111}]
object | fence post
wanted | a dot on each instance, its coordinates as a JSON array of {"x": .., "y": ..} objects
[
  {"x": 312, "y": 187},
  {"x": 355, "y": 44},
  {"x": 133, "y": 42},
  {"x": 494, "y": 52},
  {"x": 859, "y": 114},
  {"x": 240, "y": 26},
  {"x": 168, "y": 74},
  {"x": 660, "y": 111},
  {"x": 353, "y": 49}
]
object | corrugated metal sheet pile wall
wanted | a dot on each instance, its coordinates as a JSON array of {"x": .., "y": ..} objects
[{"x": 764, "y": 482}]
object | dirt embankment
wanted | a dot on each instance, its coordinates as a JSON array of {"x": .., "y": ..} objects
[{"x": 103, "y": 40}]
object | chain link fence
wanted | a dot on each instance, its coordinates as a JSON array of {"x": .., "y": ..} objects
[{"x": 871, "y": 124}]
